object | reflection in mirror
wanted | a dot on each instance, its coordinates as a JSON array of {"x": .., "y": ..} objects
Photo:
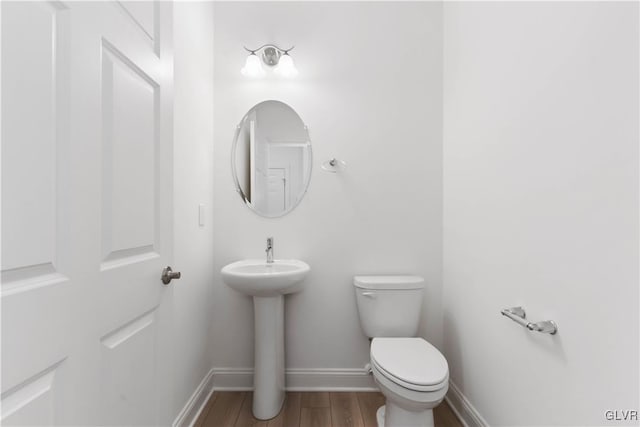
[{"x": 271, "y": 158}]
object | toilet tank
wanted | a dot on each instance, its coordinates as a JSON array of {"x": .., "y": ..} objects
[{"x": 389, "y": 306}]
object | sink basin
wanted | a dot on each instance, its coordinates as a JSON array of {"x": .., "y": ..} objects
[
  {"x": 256, "y": 277},
  {"x": 267, "y": 283}
]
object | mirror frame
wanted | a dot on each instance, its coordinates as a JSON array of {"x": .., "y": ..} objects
[{"x": 234, "y": 170}]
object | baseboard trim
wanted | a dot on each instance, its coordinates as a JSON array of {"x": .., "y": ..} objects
[
  {"x": 464, "y": 410},
  {"x": 329, "y": 380},
  {"x": 191, "y": 410},
  {"x": 298, "y": 379},
  {"x": 241, "y": 379}
]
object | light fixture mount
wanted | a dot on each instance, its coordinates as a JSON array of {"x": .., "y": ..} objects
[{"x": 271, "y": 56}]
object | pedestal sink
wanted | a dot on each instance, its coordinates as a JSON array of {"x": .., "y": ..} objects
[{"x": 267, "y": 283}]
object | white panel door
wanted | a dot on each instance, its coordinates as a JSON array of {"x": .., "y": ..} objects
[
  {"x": 276, "y": 190},
  {"x": 86, "y": 213}
]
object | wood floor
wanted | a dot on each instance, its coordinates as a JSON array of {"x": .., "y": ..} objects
[{"x": 317, "y": 409}]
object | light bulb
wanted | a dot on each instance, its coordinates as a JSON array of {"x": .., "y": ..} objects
[
  {"x": 285, "y": 66},
  {"x": 252, "y": 68}
]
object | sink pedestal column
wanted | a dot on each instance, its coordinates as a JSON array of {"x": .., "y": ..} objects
[{"x": 268, "y": 374}]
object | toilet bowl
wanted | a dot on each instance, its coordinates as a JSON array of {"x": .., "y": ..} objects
[
  {"x": 414, "y": 378},
  {"x": 411, "y": 373}
]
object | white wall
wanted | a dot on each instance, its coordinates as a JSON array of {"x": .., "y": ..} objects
[
  {"x": 541, "y": 208},
  {"x": 193, "y": 180},
  {"x": 371, "y": 95}
]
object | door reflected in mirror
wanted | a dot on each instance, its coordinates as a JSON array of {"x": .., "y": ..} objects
[{"x": 271, "y": 158}]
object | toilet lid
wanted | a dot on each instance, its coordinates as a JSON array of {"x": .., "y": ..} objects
[{"x": 410, "y": 360}]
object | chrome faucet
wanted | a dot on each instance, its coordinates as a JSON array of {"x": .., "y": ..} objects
[{"x": 269, "y": 250}]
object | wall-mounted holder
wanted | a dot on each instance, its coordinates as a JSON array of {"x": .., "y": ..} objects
[
  {"x": 334, "y": 165},
  {"x": 518, "y": 315}
]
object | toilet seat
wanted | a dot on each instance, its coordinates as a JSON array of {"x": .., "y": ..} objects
[{"x": 412, "y": 363}]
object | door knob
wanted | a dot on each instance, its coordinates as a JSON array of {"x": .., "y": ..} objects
[{"x": 168, "y": 274}]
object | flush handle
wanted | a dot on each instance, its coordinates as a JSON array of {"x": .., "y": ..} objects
[
  {"x": 168, "y": 274},
  {"x": 371, "y": 295}
]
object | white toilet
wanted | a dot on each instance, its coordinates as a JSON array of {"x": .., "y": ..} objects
[{"x": 411, "y": 373}]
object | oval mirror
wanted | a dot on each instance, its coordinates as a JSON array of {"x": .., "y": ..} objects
[{"x": 271, "y": 158}]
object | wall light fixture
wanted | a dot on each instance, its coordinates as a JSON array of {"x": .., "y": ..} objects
[{"x": 272, "y": 56}]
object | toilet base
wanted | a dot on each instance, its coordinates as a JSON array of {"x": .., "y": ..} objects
[
  {"x": 398, "y": 417},
  {"x": 380, "y": 416}
]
